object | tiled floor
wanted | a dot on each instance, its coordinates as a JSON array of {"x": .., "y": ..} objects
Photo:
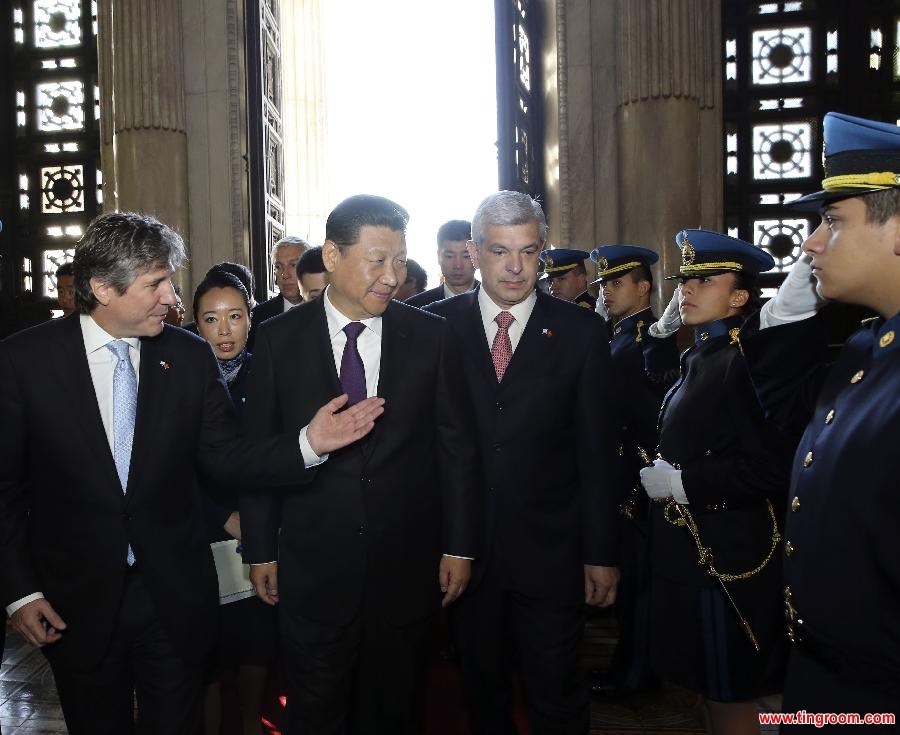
[{"x": 28, "y": 703}]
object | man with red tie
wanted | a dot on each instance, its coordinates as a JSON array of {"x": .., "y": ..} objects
[{"x": 539, "y": 371}]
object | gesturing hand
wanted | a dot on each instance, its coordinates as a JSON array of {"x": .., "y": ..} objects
[{"x": 330, "y": 430}]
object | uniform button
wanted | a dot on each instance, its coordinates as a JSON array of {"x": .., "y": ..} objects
[
  {"x": 787, "y": 593},
  {"x": 497, "y": 447},
  {"x": 795, "y": 504},
  {"x": 708, "y": 452},
  {"x": 829, "y": 417},
  {"x": 886, "y": 338},
  {"x": 126, "y": 516},
  {"x": 857, "y": 376},
  {"x": 499, "y": 405},
  {"x": 491, "y": 489},
  {"x": 361, "y": 530},
  {"x": 788, "y": 548},
  {"x": 808, "y": 459},
  {"x": 704, "y": 336}
]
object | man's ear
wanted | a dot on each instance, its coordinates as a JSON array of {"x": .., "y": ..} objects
[
  {"x": 473, "y": 252},
  {"x": 102, "y": 291},
  {"x": 330, "y": 254},
  {"x": 643, "y": 287}
]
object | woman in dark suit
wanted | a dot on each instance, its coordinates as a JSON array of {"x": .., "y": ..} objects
[
  {"x": 720, "y": 479},
  {"x": 247, "y": 627}
]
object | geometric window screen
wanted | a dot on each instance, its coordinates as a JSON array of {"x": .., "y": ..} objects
[
  {"x": 782, "y": 151},
  {"x": 785, "y": 65},
  {"x": 54, "y": 172},
  {"x": 782, "y": 55}
]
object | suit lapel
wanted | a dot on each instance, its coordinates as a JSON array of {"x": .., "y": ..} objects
[
  {"x": 474, "y": 337},
  {"x": 75, "y": 376},
  {"x": 535, "y": 345},
  {"x": 148, "y": 420}
]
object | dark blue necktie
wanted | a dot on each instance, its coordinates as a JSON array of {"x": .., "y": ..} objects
[{"x": 353, "y": 374}]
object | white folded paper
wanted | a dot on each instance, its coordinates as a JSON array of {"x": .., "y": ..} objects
[{"x": 234, "y": 575}]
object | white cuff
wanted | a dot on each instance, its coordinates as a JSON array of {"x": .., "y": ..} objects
[
  {"x": 678, "y": 490},
  {"x": 454, "y": 556},
  {"x": 310, "y": 458},
  {"x": 13, "y": 606}
]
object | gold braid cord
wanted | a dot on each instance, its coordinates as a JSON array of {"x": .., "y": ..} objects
[{"x": 705, "y": 554}]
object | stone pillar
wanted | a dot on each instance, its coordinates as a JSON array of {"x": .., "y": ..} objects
[
  {"x": 640, "y": 129},
  {"x": 667, "y": 63},
  {"x": 149, "y": 140}
]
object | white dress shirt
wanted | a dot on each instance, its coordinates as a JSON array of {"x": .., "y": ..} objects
[{"x": 521, "y": 313}]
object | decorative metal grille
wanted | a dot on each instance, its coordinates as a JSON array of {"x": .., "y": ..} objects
[
  {"x": 265, "y": 131},
  {"x": 786, "y": 65},
  {"x": 49, "y": 85},
  {"x": 519, "y": 108}
]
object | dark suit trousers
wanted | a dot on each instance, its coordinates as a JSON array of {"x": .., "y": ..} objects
[
  {"x": 631, "y": 661},
  {"x": 494, "y": 626},
  {"x": 141, "y": 661},
  {"x": 364, "y": 678}
]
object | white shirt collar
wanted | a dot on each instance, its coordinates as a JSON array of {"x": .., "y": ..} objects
[
  {"x": 520, "y": 311},
  {"x": 96, "y": 338},
  {"x": 337, "y": 321}
]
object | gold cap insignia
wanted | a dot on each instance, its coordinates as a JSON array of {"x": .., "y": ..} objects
[
  {"x": 548, "y": 261},
  {"x": 602, "y": 263},
  {"x": 688, "y": 254}
]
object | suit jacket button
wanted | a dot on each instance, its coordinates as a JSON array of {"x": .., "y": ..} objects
[
  {"x": 126, "y": 516},
  {"x": 499, "y": 405},
  {"x": 361, "y": 530},
  {"x": 497, "y": 447}
]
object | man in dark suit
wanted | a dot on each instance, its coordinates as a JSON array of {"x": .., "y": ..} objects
[
  {"x": 357, "y": 559},
  {"x": 104, "y": 559},
  {"x": 456, "y": 265},
  {"x": 538, "y": 369},
  {"x": 285, "y": 256}
]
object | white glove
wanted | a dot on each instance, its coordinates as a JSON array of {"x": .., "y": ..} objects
[
  {"x": 797, "y": 298},
  {"x": 600, "y": 308},
  {"x": 670, "y": 321},
  {"x": 662, "y": 481}
]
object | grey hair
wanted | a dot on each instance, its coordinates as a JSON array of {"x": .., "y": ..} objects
[
  {"x": 505, "y": 208},
  {"x": 289, "y": 241},
  {"x": 117, "y": 247}
]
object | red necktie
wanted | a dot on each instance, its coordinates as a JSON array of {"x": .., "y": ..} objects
[{"x": 501, "y": 350}]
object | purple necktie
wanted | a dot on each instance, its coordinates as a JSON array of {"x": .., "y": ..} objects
[{"x": 353, "y": 374}]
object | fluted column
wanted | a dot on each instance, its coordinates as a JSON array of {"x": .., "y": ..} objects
[
  {"x": 669, "y": 73},
  {"x": 148, "y": 110},
  {"x": 639, "y": 145}
]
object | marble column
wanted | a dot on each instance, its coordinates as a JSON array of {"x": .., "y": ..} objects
[
  {"x": 149, "y": 140},
  {"x": 667, "y": 61},
  {"x": 639, "y": 119}
]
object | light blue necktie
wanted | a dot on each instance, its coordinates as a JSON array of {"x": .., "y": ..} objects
[{"x": 124, "y": 410}]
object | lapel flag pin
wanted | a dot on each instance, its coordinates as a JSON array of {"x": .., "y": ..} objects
[
  {"x": 164, "y": 365},
  {"x": 547, "y": 332}
]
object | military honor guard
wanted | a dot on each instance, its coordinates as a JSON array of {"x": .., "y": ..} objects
[
  {"x": 721, "y": 477},
  {"x": 645, "y": 367},
  {"x": 841, "y": 562},
  {"x": 565, "y": 270}
]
